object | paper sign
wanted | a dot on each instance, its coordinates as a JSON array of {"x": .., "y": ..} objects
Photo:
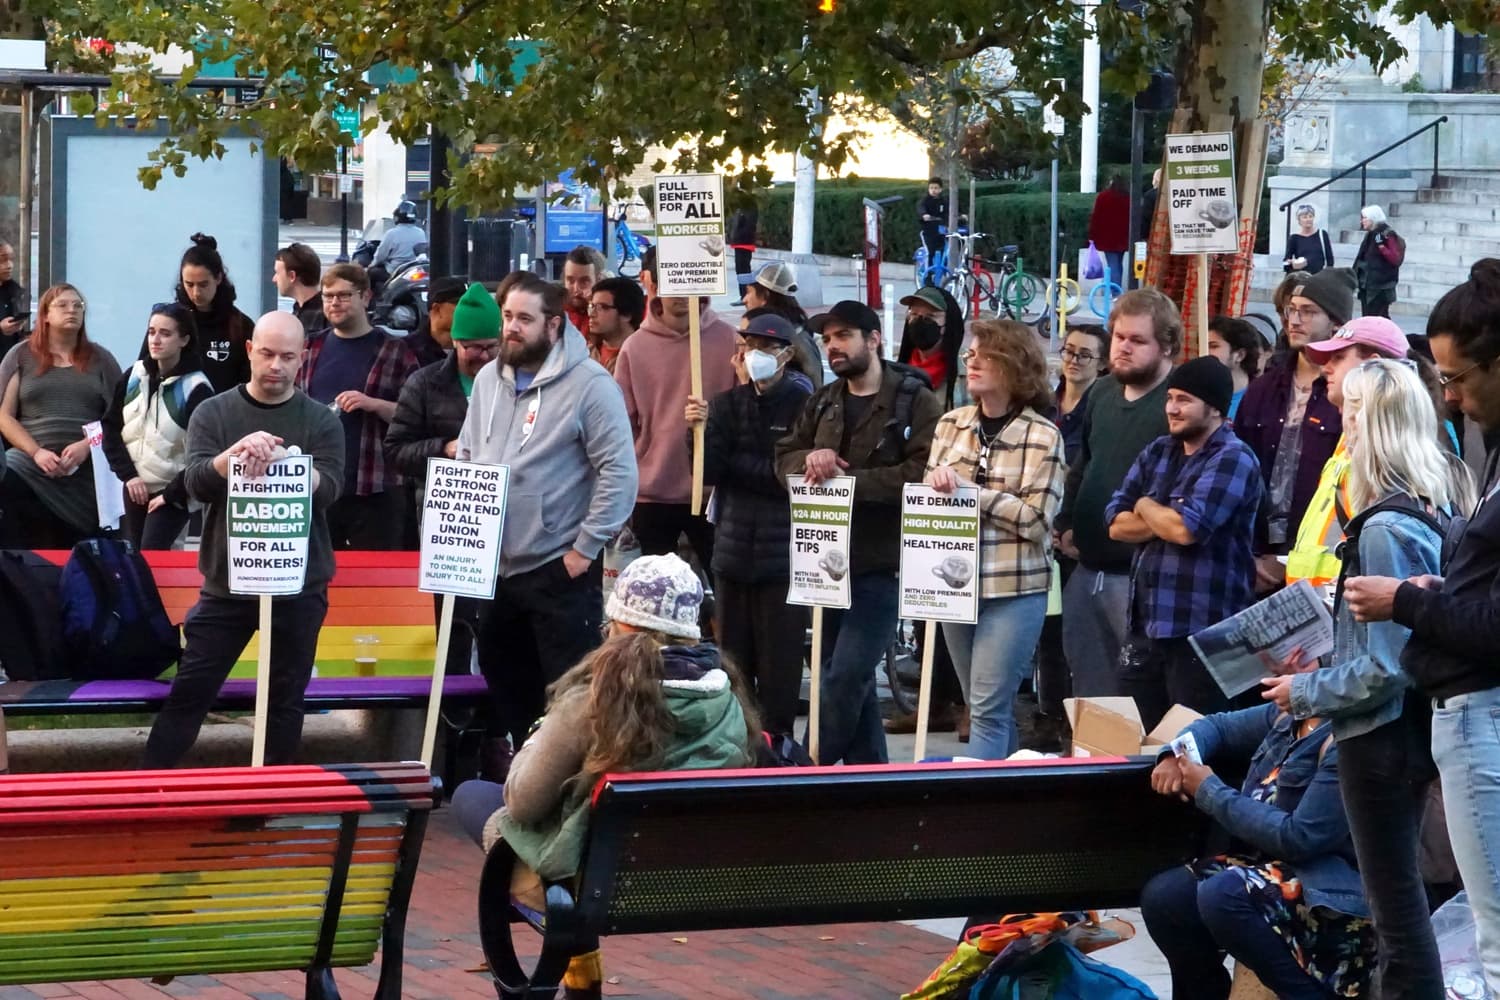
[
  {"x": 940, "y": 554},
  {"x": 821, "y": 516},
  {"x": 1243, "y": 648},
  {"x": 1200, "y": 193},
  {"x": 109, "y": 492},
  {"x": 462, "y": 515},
  {"x": 270, "y": 517},
  {"x": 690, "y": 234}
]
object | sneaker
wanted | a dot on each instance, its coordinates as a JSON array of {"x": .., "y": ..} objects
[{"x": 940, "y": 719}]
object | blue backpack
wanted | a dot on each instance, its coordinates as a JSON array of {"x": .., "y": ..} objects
[
  {"x": 1058, "y": 972},
  {"x": 114, "y": 626}
]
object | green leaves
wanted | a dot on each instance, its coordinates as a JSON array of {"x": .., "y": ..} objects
[{"x": 606, "y": 85}]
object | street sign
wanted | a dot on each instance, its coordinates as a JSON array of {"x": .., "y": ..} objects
[
  {"x": 1200, "y": 192},
  {"x": 347, "y": 118}
]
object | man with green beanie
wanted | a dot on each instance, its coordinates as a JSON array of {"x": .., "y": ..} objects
[{"x": 430, "y": 412}]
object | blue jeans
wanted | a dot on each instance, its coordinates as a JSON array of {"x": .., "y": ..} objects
[
  {"x": 1093, "y": 613},
  {"x": 1194, "y": 922},
  {"x": 1466, "y": 747},
  {"x": 849, "y": 725},
  {"x": 990, "y": 658}
]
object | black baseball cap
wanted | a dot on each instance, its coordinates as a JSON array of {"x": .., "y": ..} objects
[
  {"x": 850, "y": 313},
  {"x": 446, "y": 290},
  {"x": 772, "y": 327}
]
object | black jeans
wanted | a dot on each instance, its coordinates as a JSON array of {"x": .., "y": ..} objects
[
  {"x": 216, "y": 631},
  {"x": 157, "y": 529},
  {"x": 1377, "y": 303},
  {"x": 1054, "y": 681},
  {"x": 742, "y": 269},
  {"x": 762, "y": 636},
  {"x": 375, "y": 523},
  {"x": 1159, "y": 673},
  {"x": 657, "y": 527},
  {"x": 539, "y": 625},
  {"x": 1194, "y": 922},
  {"x": 465, "y": 628},
  {"x": 1383, "y": 776}
]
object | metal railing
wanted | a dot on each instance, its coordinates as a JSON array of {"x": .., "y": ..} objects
[{"x": 1435, "y": 126}]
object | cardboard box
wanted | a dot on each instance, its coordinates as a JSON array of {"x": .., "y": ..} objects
[{"x": 1111, "y": 727}]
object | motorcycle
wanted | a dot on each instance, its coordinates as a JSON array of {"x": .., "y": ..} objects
[{"x": 402, "y": 302}]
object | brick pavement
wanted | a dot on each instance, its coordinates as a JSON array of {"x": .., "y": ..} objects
[{"x": 444, "y": 961}]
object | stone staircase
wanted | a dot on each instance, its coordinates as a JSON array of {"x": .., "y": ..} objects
[{"x": 1447, "y": 228}]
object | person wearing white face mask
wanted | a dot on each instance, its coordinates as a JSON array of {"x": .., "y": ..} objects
[{"x": 756, "y": 629}]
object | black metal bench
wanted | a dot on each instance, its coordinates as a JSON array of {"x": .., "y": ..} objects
[{"x": 710, "y": 850}]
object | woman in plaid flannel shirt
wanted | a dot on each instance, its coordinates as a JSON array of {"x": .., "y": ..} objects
[{"x": 1014, "y": 455}]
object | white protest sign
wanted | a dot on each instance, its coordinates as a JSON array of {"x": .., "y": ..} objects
[
  {"x": 109, "y": 492},
  {"x": 690, "y": 234},
  {"x": 821, "y": 518},
  {"x": 1200, "y": 193},
  {"x": 940, "y": 554},
  {"x": 270, "y": 517},
  {"x": 462, "y": 515}
]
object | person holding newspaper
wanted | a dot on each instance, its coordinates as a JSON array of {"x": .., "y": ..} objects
[
  {"x": 1189, "y": 502},
  {"x": 1402, "y": 489}
]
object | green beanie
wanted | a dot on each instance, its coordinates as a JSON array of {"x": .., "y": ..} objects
[{"x": 476, "y": 316}]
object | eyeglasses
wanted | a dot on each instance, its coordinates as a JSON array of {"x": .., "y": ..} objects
[
  {"x": 338, "y": 296},
  {"x": 600, "y": 307},
  {"x": 973, "y": 357},
  {"x": 1304, "y": 312},
  {"x": 67, "y": 305},
  {"x": 1068, "y": 354},
  {"x": 478, "y": 346},
  {"x": 1444, "y": 381}
]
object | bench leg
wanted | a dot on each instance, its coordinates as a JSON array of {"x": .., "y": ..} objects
[
  {"x": 560, "y": 939},
  {"x": 320, "y": 984},
  {"x": 393, "y": 930}
]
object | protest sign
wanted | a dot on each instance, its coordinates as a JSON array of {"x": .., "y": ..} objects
[
  {"x": 270, "y": 517},
  {"x": 821, "y": 516},
  {"x": 940, "y": 553},
  {"x": 462, "y": 516},
  {"x": 1201, "y": 194},
  {"x": 690, "y": 234},
  {"x": 1246, "y": 647}
]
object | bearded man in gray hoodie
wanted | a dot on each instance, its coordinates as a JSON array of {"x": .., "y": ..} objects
[{"x": 556, "y": 418}]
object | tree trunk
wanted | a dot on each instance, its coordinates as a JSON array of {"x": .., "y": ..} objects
[
  {"x": 1222, "y": 68},
  {"x": 15, "y": 22}
]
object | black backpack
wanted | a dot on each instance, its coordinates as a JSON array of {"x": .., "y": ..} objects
[
  {"x": 29, "y": 617},
  {"x": 1348, "y": 550},
  {"x": 114, "y": 626}
]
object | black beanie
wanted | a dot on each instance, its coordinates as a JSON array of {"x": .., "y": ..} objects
[
  {"x": 1207, "y": 378},
  {"x": 1333, "y": 290}
]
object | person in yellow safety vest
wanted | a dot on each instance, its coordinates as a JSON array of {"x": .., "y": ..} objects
[{"x": 1314, "y": 556}]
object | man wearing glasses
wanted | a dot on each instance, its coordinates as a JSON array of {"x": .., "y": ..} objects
[
  {"x": 1290, "y": 423},
  {"x": 616, "y": 308},
  {"x": 357, "y": 370}
]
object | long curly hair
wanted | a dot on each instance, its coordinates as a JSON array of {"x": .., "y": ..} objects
[{"x": 630, "y": 724}]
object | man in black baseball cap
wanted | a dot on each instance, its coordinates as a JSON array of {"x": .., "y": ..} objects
[{"x": 874, "y": 422}]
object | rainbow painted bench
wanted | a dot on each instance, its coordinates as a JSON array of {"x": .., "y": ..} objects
[
  {"x": 128, "y": 874},
  {"x": 372, "y": 593}
]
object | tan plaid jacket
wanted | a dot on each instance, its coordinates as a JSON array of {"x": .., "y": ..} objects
[{"x": 1020, "y": 490}]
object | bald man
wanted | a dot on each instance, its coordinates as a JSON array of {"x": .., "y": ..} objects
[{"x": 255, "y": 423}]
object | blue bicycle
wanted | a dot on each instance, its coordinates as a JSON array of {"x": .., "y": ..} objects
[
  {"x": 936, "y": 271},
  {"x": 629, "y": 248}
]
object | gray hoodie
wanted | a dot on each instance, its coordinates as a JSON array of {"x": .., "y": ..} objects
[{"x": 568, "y": 444}]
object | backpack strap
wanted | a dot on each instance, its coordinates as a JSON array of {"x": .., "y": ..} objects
[{"x": 1348, "y": 550}]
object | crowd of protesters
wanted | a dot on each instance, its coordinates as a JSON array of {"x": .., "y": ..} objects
[{"x": 1152, "y": 499}]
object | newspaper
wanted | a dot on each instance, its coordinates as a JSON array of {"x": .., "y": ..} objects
[{"x": 1239, "y": 651}]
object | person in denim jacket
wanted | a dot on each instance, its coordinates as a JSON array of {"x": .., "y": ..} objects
[
  {"x": 1286, "y": 901},
  {"x": 1382, "y": 725}
]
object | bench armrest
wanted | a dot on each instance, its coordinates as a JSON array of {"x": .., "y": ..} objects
[{"x": 562, "y": 934}]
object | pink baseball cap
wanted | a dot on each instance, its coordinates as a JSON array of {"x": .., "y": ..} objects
[{"x": 1375, "y": 332}]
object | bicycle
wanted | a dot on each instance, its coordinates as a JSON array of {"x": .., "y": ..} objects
[
  {"x": 1007, "y": 289},
  {"x": 1106, "y": 289},
  {"x": 932, "y": 271},
  {"x": 629, "y": 247}
]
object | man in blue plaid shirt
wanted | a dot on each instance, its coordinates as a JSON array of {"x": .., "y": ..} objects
[{"x": 1189, "y": 502}]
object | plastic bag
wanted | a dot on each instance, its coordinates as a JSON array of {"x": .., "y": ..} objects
[
  {"x": 1463, "y": 975},
  {"x": 1093, "y": 264}
]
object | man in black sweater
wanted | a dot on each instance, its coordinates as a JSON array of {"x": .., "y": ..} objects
[
  {"x": 1455, "y": 619},
  {"x": 256, "y": 424},
  {"x": 934, "y": 214},
  {"x": 758, "y": 631}
]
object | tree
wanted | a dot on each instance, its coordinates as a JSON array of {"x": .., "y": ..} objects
[{"x": 723, "y": 81}]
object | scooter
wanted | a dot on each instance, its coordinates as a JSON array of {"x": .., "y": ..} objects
[{"x": 402, "y": 303}]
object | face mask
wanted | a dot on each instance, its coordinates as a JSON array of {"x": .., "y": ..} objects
[
  {"x": 760, "y": 366},
  {"x": 924, "y": 332}
]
